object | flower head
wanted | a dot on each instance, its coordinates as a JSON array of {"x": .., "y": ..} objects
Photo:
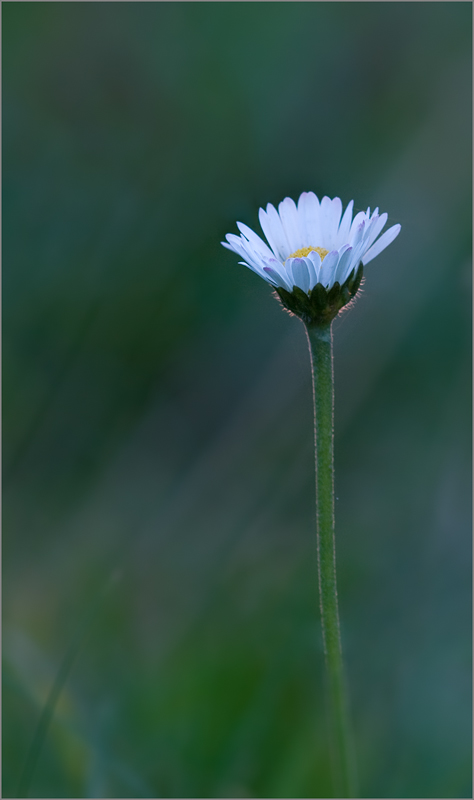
[{"x": 316, "y": 253}]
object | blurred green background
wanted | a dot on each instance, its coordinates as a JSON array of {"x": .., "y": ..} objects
[{"x": 158, "y": 466}]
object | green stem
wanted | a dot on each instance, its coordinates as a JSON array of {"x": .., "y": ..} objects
[{"x": 320, "y": 346}]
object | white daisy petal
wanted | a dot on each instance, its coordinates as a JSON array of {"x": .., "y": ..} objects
[
  {"x": 360, "y": 217},
  {"x": 336, "y": 211},
  {"x": 325, "y": 220},
  {"x": 358, "y": 235},
  {"x": 345, "y": 255},
  {"x": 345, "y": 226},
  {"x": 327, "y": 269},
  {"x": 290, "y": 222},
  {"x": 313, "y": 271},
  {"x": 384, "y": 241},
  {"x": 274, "y": 232},
  {"x": 315, "y": 258},
  {"x": 324, "y": 212},
  {"x": 252, "y": 237},
  {"x": 277, "y": 279},
  {"x": 351, "y": 266},
  {"x": 258, "y": 271},
  {"x": 308, "y": 210},
  {"x": 244, "y": 249},
  {"x": 278, "y": 267},
  {"x": 330, "y": 216},
  {"x": 297, "y": 267},
  {"x": 236, "y": 244},
  {"x": 375, "y": 227},
  {"x": 357, "y": 255},
  {"x": 233, "y": 240}
]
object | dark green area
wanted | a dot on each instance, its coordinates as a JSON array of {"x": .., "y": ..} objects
[{"x": 157, "y": 401}]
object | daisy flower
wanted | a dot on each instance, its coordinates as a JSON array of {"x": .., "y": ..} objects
[
  {"x": 314, "y": 260},
  {"x": 313, "y": 246}
]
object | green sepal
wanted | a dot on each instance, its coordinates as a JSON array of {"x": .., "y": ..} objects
[
  {"x": 319, "y": 298},
  {"x": 320, "y": 306},
  {"x": 288, "y": 300},
  {"x": 301, "y": 296},
  {"x": 333, "y": 294}
]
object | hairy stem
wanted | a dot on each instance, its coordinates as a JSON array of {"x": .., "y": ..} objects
[{"x": 320, "y": 346}]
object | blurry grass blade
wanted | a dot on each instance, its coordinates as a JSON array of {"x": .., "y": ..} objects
[{"x": 58, "y": 685}]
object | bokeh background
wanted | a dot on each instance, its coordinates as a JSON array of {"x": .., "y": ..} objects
[{"x": 159, "y": 540}]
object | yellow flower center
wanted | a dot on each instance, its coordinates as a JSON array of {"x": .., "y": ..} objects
[{"x": 304, "y": 251}]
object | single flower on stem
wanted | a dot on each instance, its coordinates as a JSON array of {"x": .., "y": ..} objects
[{"x": 314, "y": 260}]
